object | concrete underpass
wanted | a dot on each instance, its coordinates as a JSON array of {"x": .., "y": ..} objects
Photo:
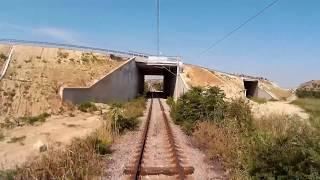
[{"x": 127, "y": 82}]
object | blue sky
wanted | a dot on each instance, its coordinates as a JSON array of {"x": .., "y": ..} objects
[{"x": 283, "y": 44}]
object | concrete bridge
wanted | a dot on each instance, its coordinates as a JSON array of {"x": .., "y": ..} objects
[{"x": 127, "y": 82}]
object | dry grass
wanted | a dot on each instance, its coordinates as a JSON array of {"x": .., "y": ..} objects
[
  {"x": 259, "y": 100},
  {"x": 277, "y": 124},
  {"x": 219, "y": 141},
  {"x": 82, "y": 159},
  {"x": 2, "y": 136},
  {"x": 134, "y": 108},
  {"x": 17, "y": 139}
]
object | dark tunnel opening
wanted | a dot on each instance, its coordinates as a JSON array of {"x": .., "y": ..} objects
[
  {"x": 167, "y": 75},
  {"x": 251, "y": 87}
]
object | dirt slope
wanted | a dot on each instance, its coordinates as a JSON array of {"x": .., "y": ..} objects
[
  {"x": 36, "y": 74},
  {"x": 231, "y": 84},
  {"x": 197, "y": 76},
  {"x": 234, "y": 88},
  {"x": 313, "y": 85}
]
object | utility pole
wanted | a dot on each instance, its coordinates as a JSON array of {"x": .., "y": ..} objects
[{"x": 158, "y": 27}]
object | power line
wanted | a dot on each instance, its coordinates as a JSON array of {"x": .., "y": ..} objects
[
  {"x": 239, "y": 27},
  {"x": 158, "y": 27}
]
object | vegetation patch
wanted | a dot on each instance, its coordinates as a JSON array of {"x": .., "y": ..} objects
[
  {"x": 2, "y": 136},
  {"x": 63, "y": 55},
  {"x": 259, "y": 100},
  {"x": 17, "y": 139},
  {"x": 82, "y": 159},
  {"x": 270, "y": 147},
  {"x": 305, "y": 93},
  {"x": 311, "y": 106},
  {"x": 33, "y": 119},
  {"x": 115, "y": 57},
  {"x": 3, "y": 56},
  {"x": 7, "y": 174},
  {"x": 158, "y": 86},
  {"x": 87, "y": 107},
  {"x": 124, "y": 116}
]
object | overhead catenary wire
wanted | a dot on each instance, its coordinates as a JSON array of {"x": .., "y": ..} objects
[{"x": 215, "y": 43}]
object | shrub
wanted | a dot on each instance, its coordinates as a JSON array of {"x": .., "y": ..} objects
[
  {"x": 295, "y": 154},
  {"x": 158, "y": 86},
  {"x": 3, "y": 56},
  {"x": 7, "y": 174},
  {"x": 33, "y": 119},
  {"x": 62, "y": 55},
  {"x": 220, "y": 143},
  {"x": 1, "y": 136},
  {"x": 170, "y": 101},
  {"x": 270, "y": 147},
  {"x": 124, "y": 116},
  {"x": 87, "y": 107},
  {"x": 114, "y": 57},
  {"x": 85, "y": 58},
  {"x": 311, "y": 106},
  {"x": 17, "y": 139},
  {"x": 305, "y": 93},
  {"x": 199, "y": 104},
  {"x": 82, "y": 159},
  {"x": 238, "y": 114},
  {"x": 259, "y": 100},
  {"x": 134, "y": 108},
  {"x": 119, "y": 122}
]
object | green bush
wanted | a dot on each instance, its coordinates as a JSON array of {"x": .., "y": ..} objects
[
  {"x": 304, "y": 93},
  {"x": 7, "y": 174},
  {"x": 170, "y": 101},
  {"x": 102, "y": 147},
  {"x": 199, "y": 104},
  {"x": 311, "y": 106},
  {"x": 124, "y": 116},
  {"x": 294, "y": 155},
  {"x": 158, "y": 86},
  {"x": 238, "y": 113},
  {"x": 87, "y": 107},
  {"x": 272, "y": 147}
]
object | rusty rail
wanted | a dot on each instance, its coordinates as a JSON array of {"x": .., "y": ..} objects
[
  {"x": 136, "y": 170},
  {"x": 137, "y": 167},
  {"x": 172, "y": 144}
]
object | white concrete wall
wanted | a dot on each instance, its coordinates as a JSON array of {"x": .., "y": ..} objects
[
  {"x": 181, "y": 87},
  {"x": 121, "y": 84},
  {"x": 263, "y": 94}
]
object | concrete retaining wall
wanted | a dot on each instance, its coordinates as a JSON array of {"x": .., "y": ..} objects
[
  {"x": 263, "y": 94},
  {"x": 120, "y": 84},
  {"x": 181, "y": 87}
]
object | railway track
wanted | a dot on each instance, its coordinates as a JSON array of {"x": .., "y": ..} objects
[{"x": 158, "y": 155}]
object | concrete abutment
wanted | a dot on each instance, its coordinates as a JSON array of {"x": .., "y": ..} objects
[{"x": 127, "y": 82}]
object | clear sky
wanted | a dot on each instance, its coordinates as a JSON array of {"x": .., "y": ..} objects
[{"x": 283, "y": 44}]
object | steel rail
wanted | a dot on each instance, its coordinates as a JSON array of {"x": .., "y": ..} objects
[
  {"x": 137, "y": 167},
  {"x": 172, "y": 144}
]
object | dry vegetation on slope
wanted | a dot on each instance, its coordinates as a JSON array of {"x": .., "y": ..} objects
[
  {"x": 4, "y": 51},
  {"x": 197, "y": 76},
  {"x": 35, "y": 75}
]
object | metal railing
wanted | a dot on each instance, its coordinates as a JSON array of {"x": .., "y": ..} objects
[{"x": 74, "y": 47}]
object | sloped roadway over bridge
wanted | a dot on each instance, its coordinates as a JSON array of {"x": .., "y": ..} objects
[{"x": 127, "y": 82}]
